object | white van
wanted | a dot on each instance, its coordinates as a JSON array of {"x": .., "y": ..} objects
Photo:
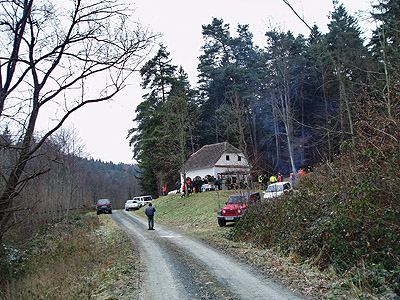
[
  {"x": 277, "y": 189},
  {"x": 143, "y": 200}
]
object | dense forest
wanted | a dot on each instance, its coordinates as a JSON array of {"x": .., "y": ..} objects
[
  {"x": 287, "y": 106},
  {"x": 66, "y": 182}
]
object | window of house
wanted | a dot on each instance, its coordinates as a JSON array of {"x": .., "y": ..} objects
[
  {"x": 239, "y": 158},
  {"x": 227, "y": 157}
]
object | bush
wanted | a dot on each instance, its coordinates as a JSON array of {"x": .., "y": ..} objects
[{"x": 344, "y": 214}]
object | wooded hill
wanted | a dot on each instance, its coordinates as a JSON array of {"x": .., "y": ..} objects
[
  {"x": 62, "y": 182},
  {"x": 287, "y": 106},
  {"x": 51, "y": 54}
]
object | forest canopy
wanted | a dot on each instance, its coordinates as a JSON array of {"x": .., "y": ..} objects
[{"x": 286, "y": 106}]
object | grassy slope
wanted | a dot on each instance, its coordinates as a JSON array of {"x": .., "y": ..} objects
[{"x": 196, "y": 214}]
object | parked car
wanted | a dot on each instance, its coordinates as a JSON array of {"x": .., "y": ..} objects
[
  {"x": 277, "y": 189},
  {"x": 103, "y": 206},
  {"x": 207, "y": 187},
  {"x": 132, "y": 204},
  {"x": 173, "y": 192},
  {"x": 236, "y": 206},
  {"x": 143, "y": 200}
]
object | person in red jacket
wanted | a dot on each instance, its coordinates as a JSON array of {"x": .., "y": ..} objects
[
  {"x": 164, "y": 190},
  {"x": 183, "y": 190},
  {"x": 279, "y": 177}
]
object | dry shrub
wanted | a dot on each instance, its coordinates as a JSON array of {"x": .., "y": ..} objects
[{"x": 79, "y": 259}]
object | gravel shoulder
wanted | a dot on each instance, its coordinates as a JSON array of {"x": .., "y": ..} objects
[{"x": 178, "y": 267}]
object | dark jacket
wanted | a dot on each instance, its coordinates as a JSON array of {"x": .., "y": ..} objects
[{"x": 150, "y": 210}]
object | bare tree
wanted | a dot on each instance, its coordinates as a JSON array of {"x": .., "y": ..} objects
[{"x": 56, "y": 58}]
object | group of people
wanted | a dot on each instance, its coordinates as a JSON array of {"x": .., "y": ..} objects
[
  {"x": 275, "y": 179},
  {"x": 279, "y": 178},
  {"x": 301, "y": 173},
  {"x": 263, "y": 181},
  {"x": 194, "y": 186}
]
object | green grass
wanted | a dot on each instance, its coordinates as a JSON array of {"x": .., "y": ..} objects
[{"x": 196, "y": 214}]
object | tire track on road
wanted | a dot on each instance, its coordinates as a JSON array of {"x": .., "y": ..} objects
[
  {"x": 170, "y": 272},
  {"x": 183, "y": 268}
]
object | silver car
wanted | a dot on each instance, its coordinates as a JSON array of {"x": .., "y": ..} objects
[{"x": 132, "y": 204}]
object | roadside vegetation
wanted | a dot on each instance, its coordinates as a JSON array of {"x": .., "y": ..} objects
[
  {"x": 344, "y": 216},
  {"x": 335, "y": 237},
  {"x": 87, "y": 257}
]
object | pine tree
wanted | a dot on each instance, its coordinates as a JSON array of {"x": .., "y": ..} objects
[
  {"x": 349, "y": 58},
  {"x": 163, "y": 136},
  {"x": 228, "y": 82},
  {"x": 212, "y": 80},
  {"x": 385, "y": 44},
  {"x": 149, "y": 138}
]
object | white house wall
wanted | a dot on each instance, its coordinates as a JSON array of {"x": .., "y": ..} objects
[
  {"x": 221, "y": 166},
  {"x": 233, "y": 160},
  {"x": 199, "y": 172}
]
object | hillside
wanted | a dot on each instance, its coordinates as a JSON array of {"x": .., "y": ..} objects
[{"x": 197, "y": 217}]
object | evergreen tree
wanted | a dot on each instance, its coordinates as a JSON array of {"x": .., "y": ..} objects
[
  {"x": 321, "y": 107},
  {"x": 228, "y": 82},
  {"x": 387, "y": 36},
  {"x": 163, "y": 135},
  {"x": 349, "y": 59},
  {"x": 385, "y": 44},
  {"x": 149, "y": 137},
  {"x": 284, "y": 66},
  {"x": 212, "y": 80},
  {"x": 158, "y": 74},
  {"x": 144, "y": 139},
  {"x": 181, "y": 111}
]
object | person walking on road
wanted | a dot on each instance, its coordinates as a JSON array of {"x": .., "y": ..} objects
[{"x": 150, "y": 210}]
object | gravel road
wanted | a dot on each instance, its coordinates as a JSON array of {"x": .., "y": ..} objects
[{"x": 179, "y": 267}]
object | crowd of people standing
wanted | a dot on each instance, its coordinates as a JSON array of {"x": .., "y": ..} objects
[{"x": 196, "y": 185}]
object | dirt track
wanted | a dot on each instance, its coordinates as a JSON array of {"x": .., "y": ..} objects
[{"x": 177, "y": 267}]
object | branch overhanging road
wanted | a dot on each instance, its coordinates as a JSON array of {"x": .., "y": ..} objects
[{"x": 178, "y": 267}]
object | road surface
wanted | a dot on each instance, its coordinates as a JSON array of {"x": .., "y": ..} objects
[{"x": 179, "y": 267}]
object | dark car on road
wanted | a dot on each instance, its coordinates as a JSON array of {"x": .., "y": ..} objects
[{"x": 103, "y": 206}]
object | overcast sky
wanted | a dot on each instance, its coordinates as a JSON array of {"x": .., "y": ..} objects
[{"x": 103, "y": 127}]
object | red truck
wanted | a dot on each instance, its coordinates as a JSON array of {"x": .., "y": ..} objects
[{"x": 236, "y": 206}]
